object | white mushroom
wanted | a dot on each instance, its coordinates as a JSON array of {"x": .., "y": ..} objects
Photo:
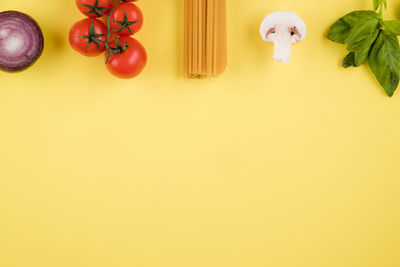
[{"x": 283, "y": 28}]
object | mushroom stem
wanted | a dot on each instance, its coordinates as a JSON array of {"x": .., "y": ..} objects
[{"x": 282, "y": 48}]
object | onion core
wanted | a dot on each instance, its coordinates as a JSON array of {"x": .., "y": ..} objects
[{"x": 21, "y": 41}]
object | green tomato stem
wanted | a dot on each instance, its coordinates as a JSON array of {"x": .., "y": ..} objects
[{"x": 109, "y": 31}]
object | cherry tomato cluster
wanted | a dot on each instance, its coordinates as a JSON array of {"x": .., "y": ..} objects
[{"x": 125, "y": 56}]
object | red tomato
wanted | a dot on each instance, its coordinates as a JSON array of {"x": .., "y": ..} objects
[
  {"x": 128, "y": 18},
  {"x": 130, "y": 62},
  {"x": 86, "y": 35},
  {"x": 94, "y": 8}
]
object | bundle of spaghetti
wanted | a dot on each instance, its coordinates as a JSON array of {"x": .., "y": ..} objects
[{"x": 205, "y": 38}]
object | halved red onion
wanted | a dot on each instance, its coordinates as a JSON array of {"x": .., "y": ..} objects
[{"x": 21, "y": 41}]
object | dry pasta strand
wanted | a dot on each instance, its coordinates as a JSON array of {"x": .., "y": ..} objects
[{"x": 205, "y": 41}]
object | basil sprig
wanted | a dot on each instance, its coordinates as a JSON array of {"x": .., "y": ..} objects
[{"x": 369, "y": 37}]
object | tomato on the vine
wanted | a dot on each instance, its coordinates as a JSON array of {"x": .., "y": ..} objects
[
  {"x": 94, "y": 8},
  {"x": 128, "y": 58},
  {"x": 88, "y": 37},
  {"x": 127, "y": 19}
]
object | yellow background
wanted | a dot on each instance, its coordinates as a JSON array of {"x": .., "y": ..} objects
[{"x": 268, "y": 165}]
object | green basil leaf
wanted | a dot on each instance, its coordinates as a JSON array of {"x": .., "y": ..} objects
[
  {"x": 355, "y": 59},
  {"x": 363, "y": 35},
  {"x": 393, "y": 26},
  {"x": 348, "y": 61},
  {"x": 360, "y": 57},
  {"x": 384, "y": 61},
  {"x": 340, "y": 31}
]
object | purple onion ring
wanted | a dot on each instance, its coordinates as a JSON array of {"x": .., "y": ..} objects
[{"x": 21, "y": 41}]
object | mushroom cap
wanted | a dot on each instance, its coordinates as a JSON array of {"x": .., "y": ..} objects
[{"x": 283, "y": 20}]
